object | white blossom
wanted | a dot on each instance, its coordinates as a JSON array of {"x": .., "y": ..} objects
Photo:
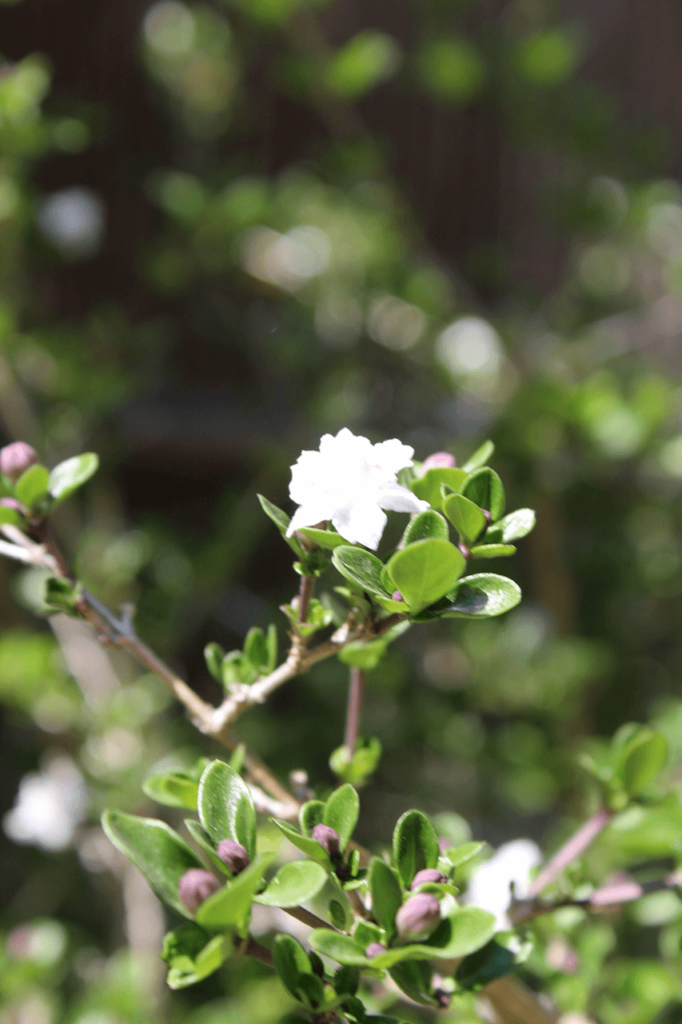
[
  {"x": 490, "y": 884},
  {"x": 350, "y": 481},
  {"x": 50, "y": 805}
]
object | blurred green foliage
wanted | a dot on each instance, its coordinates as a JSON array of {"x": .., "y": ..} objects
[{"x": 312, "y": 278}]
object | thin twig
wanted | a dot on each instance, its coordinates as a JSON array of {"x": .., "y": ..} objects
[
  {"x": 355, "y": 694},
  {"x": 572, "y": 849},
  {"x": 305, "y": 917},
  {"x": 304, "y": 597},
  {"x": 258, "y": 952},
  {"x": 625, "y": 890}
]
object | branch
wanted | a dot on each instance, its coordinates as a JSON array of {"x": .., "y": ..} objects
[
  {"x": 572, "y": 849},
  {"x": 299, "y": 661},
  {"x": 625, "y": 890}
]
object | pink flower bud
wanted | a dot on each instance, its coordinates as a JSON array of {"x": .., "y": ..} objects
[
  {"x": 328, "y": 838},
  {"x": 233, "y": 855},
  {"x": 439, "y": 460},
  {"x": 427, "y": 875},
  {"x": 374, "y": 949},
  {"x": 397, "y": 596},
  {"x": 16, "y": 458},
  {"x": 418, "y": 917},
  {"x": 12, "y": 503},
  {"x": 196, "y": 885}
]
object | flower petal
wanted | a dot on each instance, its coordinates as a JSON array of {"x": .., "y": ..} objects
[
  {"x": 309, "y": 515},
  {"x": 390, "y": 456},
  {"x": 397, "y": 498},
  {"x": 362, "y": 523}
]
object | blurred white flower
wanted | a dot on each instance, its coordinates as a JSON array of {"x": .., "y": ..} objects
[
  {"x": 349, "y": 481},
  {"x": 490, "y": 885},
  {"x": 50, "y": 804},
  {"x": 73, "y": 220}
]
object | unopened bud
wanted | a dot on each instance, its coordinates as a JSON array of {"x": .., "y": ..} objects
[
  {"x": 374, "y": 949},
  {"x": 16, "y": 458},
  {"x": 439, "y": 460},
  {"x": 12, "y": 503},
  {"x": 397, "y": 596},
  {"x": 328, "y": 838},
  {"x": 233, "y": 855},
  {"x": 418, "y": 917},
  {"x": 196, "y": 885},
  {"x": 428, "y": 875}
]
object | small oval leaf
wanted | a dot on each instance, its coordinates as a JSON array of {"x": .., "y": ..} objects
[
  {"x": 425, "y": 525},
  {"x": 415, "y": 845},
  {"x": 153, "y": 847},
  {"x": 226, "y": 806},
  {"x": 295, "y": 882},
  {"x": 425, "y": 571},
  {"x": 485, "y": 489},
  {"x": 341, "y": 812},
  {"x": 360, "y": 567},
  {"x": 68, "y": 476}
]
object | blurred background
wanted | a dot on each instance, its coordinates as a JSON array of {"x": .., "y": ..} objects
[{"x": 227, "y": 228}]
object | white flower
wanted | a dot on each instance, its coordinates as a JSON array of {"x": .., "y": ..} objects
[
  {"x": 50, "y": 805},
  {"x": 349, "y": 481},
  {"x": 490, "y": 885}
]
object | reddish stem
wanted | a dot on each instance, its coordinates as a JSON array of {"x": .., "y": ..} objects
[
  {"x": 304, "y": 595},
  {"x": 355, "y": 694},
  {"x": 572, "y": 849}
]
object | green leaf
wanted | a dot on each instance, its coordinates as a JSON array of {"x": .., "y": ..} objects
[
  {"x": 226, "y": 806},
  {"x": 493, "y": 550},
  {"x": 230, "y": 907},
  {"x": 341, "y": 812},
  {"x": 291, "y": 962},
  {"x": 255, "y": 648},
  {"x": 305, "y": 844},
  {"x": 485, "y": 489},
  {"x": 428, "y": 487},
  {"x": 236, "y": 668},
  {"x": 318, "y": 617},
  {"x": 31, "y": 487},
  {"x": 358, "y": 766},
  {"x": 68, "y": 476},
  {"x": 466, "y": 930},
  {"x": 387, "y": 896},
  {"x": 458, "y": 855},
  {"x": 466, "y": 517},
  {"x": 324, "y": 538},
  {"x": 346, "y": 981},
  {"x": 9, "y": 516},
  {"x": 341, "y": 915},
  {"x": 63, "y": 594},
  {"x": 480, "y": 457},
  {"x": 156, "y": 850},
  {"x": 500, "y": 956},
  {"x": 415, "y": 845},
  {"x": 642, "y": 758},
  {"x": 341, "y": 948},
  {"x": 513, "y": 527},
  {"x": 214, "y": 655},
  {"x": 414, "y": 978},
  {"x": 359, "y": 567},
  {"x": 295, "y": 882},
  {"x": 310, "y": 815},
  {"x": 424, "y": 526},
  {"x": 202, "y": 839},
  {"x": 367, "y": 59},
  {"x": 172, "y": 790},
  {"x": 425, "y": 571},
  {"x": 192, "y": 954},
  {"x": 482, "y": 595},
  {"x": 281, "y": 521}
]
